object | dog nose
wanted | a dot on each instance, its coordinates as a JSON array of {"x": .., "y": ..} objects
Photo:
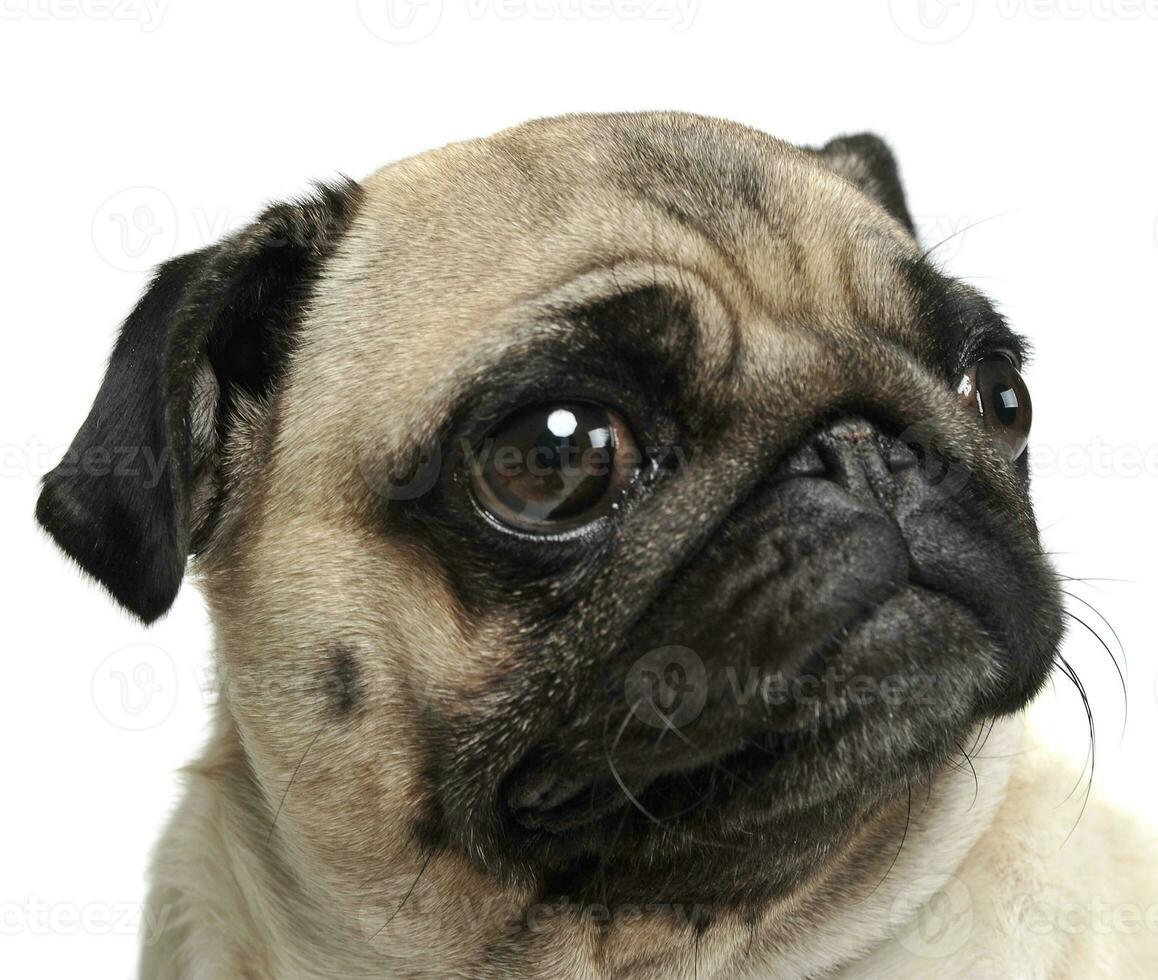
[{"x": 856, "y": 455}]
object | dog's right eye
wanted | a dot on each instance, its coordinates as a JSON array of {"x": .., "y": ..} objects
[{"x": 555, "y": 466}]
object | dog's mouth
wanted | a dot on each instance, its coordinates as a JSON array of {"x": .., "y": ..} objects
[
  {"x": 550, "y": 793},
  {"x": 696, "y": 773},
  {"x": 549, "y": 801}
]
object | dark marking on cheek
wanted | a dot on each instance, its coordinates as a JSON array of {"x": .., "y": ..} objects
[{"x": 343, "y": 680}]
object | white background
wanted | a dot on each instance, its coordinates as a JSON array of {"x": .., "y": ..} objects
[{"x": 137, "y": 129}]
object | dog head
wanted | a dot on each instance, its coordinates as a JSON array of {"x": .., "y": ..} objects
[{"x": 618, "y": 506}]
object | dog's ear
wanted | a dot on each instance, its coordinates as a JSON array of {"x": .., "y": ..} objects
[
  {"x": 213, "y": 331},
  {"x": 867, "y": 161}
]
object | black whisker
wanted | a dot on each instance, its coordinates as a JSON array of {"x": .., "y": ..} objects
[
  {"x": 977, "y": 750},
  {"x": 1091, "y": 754},
  {"x": 904, "y": 837},
  {"x": 273, "y": 826},
  {"x": 405, "y": 898},
  {"x": 606, "y": 857},
  {"x": 608, "y": 755},
  {"x": 961, "y": 231},
  {"x": 668, "y": 726},
  {"x": 976, "y": 784},
  {"x": 1084, "y": 579},
  {"x": 1123, "y": 668}
]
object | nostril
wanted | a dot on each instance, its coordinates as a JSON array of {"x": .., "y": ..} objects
[
  {"x": 848, "y": 446},
  {"x": 862, "y": 458},
  {"x": 806, "y": 461},
  {"x": 900, "y": 457}
]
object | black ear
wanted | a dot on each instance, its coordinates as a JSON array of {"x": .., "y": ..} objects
[
  {"x": 214, "y": 327},
  {"x": 867, "y": 161}
]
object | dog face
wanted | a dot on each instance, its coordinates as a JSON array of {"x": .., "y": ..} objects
[{"x": 620, "y": 506}]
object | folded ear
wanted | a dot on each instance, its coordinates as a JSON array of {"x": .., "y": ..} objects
[
  {"x": 214, "y": 330},
  {"x": 867, "y": 161}
]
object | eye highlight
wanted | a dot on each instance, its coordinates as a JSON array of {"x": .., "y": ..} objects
[
  {"x": 555, "y": 466},
  {"x": 995, "y": 390}
]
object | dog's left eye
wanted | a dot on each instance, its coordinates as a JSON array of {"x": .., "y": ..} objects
[
  {"x": 555, "y": 466},
  {"x": 995, "y": 389}
]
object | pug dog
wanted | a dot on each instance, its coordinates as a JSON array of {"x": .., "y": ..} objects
[{"x": 621, "y": 561}]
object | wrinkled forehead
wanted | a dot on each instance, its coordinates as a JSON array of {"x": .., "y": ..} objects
[{"x": 450, "y": 249}]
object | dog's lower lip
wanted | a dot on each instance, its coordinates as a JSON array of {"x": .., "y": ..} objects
[
  {"x": 596, "y": 800},
  {"x": 587, "y": 803}
]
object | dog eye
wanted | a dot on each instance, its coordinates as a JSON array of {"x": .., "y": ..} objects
[
  {"x": 995, "y": 389},
  {"x": 555, "y": 466}
]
